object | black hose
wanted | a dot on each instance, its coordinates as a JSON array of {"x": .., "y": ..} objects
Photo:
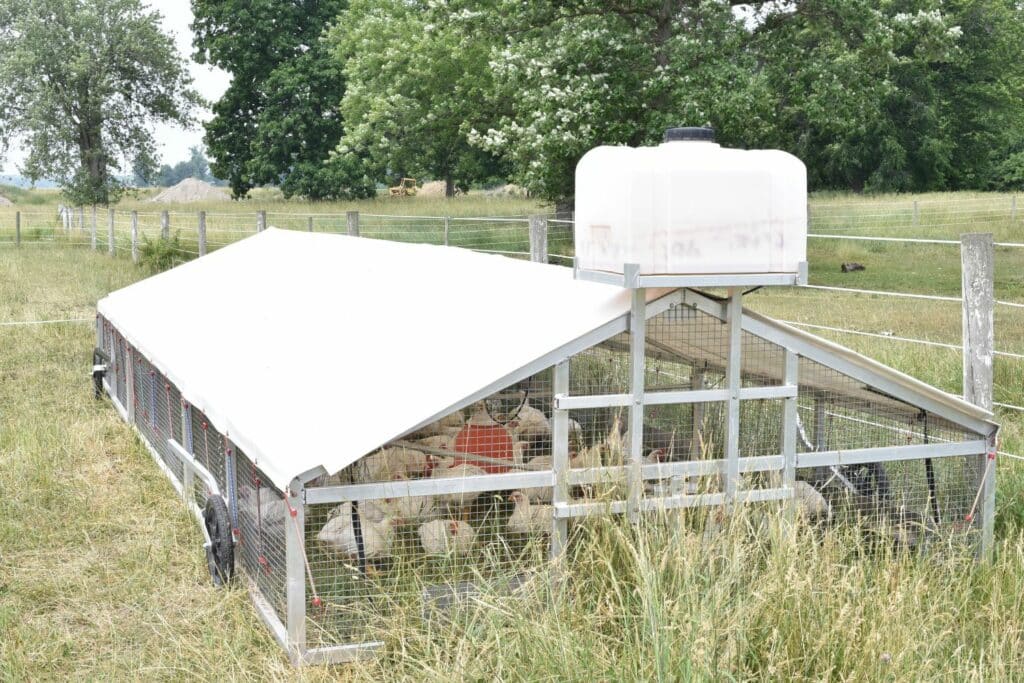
[
  {"x": 357, "y": 528},
  {"x": 929, "y": 473}
]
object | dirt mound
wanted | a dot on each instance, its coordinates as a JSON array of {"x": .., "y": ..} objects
[
  {"x": 191, "y": 190},
  {"x": 4, "y": 201},
  {"x": 509, "y": 190},
  {"x": 435, "y": 188}
]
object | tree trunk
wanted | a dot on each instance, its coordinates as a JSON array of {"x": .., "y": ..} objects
[{"x": 449, "y": 186}]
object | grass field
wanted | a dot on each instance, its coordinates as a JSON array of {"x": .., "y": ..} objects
[{"x": 102, "y": 575}]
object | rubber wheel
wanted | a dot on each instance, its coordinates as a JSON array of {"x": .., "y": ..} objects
[{"x": 220, "y": 557}]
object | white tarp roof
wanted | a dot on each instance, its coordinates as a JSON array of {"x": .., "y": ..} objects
[{"x": 312, "y": 350}]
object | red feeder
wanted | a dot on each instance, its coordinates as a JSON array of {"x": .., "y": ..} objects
[{"x": 490, "y": 440}]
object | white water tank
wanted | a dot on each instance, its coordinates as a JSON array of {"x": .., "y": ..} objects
[{"x": 689, "y": 206}]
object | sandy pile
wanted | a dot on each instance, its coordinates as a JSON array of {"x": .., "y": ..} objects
[
  {"x": 4, "y": 201},
  {"x": 508, "y": 190},
  {"x": 435, "y": 188},
  {"x": 191, "y": 190}
]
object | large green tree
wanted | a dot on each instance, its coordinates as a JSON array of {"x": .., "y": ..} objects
[
  {"x": 895, "y": 96},
  {"x": 278, "y": 121},
  {"x": 81, "y": 83},
  {"x": 417, "y": 85}
]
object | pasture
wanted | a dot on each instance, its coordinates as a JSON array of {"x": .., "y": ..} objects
[{"x": 102, "y": 575}]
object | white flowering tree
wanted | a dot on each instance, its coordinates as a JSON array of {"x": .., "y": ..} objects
[{"x": 572, "y": 75}]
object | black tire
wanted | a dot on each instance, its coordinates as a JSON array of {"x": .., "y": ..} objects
[{"x": 220, "y": 557}]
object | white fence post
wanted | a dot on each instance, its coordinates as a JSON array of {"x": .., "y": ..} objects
[
  {"x": 81, "y": 219},
  {"x": 261, "y": 221},
  {"x": 135, "y": 236},
  {"x": 353, "y": 223},
  {"x": 92, "y": 235},
  {"x": 539, "y": 239},
  {"x": 201, "y": 230},
  {"x": 165, "y": 225},
  {"x": 110, "y": 231},
  {"x": 977, "y": 259}
]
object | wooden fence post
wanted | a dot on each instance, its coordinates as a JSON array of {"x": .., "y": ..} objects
[
  {"x": 110, "y": 231},
  {"x": 165, "y": 225},
  {"x": 1013, "y": 208},
  {"x": 353, "y": 223},
  {"x": 135, "y": 236},
  {"x": 977, "y": 260},
  {"x": 261, "y": 221},
  {"x": 309, "y": 224},
  {"x": 92, "y": 235},
  {"x": 17, "y": 228},
  {"x": 201, "y": 229},
  {"x": 917, "y": 213},
  {"x": 539, "y": 239},
  {"x": 447, "y": 227}
]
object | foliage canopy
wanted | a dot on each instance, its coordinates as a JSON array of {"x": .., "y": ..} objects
[{"x": 81, "y": 81}]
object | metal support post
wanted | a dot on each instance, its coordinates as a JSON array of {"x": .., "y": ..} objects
[
  {"x": 165, "y": 225},
  {"x": 135, "y": 236},
  {"x": 92, "y": 234},
  {"x": 789, "y": 411},
  {"x": 539, "y": 239},
  {"x": 637, "y": 346},
  {"x": 977, "y": 259},
  {"x": 353, "y": 223},
  {"x": 733, "y": 380},
  {"x": 110, "y": 231},
  {"x": 560, "y": 460},
  {"x": 201, "y": 231},
  {"x": 296, "y": 582}
]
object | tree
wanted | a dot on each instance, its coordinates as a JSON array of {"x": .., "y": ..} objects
[
  {"x": 417, "y": 84},
  {"x": 907, "y": 96},
  {"x": 196, "y": 166},
  {"x": 278, "y": 121},
  {"x": 573, "y": 75},
  {"x": 81, "y": 81}
]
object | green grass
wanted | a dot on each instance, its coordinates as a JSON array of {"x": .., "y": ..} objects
[{"x": 102, "y": 575}]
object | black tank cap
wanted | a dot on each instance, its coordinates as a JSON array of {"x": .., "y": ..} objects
[{"x": 704, "y": 134}]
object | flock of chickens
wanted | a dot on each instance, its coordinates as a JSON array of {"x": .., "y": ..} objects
[
  {"x": 440, "y": 451},
  {"x": 441, "y": 520}
]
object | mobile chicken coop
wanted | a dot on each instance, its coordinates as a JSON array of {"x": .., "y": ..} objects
[{"x": 361, "y": 424}]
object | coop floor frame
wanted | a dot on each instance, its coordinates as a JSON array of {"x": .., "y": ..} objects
[{"x": 288, "y": 621}]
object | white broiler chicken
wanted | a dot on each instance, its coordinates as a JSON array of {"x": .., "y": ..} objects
[
  {"x": 339, "y": 536},
  {"x": 444, "y": 536},
  {"x": 413, "y": 508},
  {"x": 444, "y": 469},
  {"x": 527, "y": 518},
  {"x": 370, "y": 510},
  {"x": 389, "y": 464},
  {"x": 530, "y": 423},
  {"x": 809, "y": 502}
]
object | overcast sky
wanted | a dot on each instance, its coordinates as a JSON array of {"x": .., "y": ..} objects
[{"x": 172, "y": 141}]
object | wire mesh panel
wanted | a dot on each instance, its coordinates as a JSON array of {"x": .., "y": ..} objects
[{"x": 261, "y": 533}]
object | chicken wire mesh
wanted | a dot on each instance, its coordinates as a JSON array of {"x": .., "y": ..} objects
[{"x": 260, "y": 532}]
